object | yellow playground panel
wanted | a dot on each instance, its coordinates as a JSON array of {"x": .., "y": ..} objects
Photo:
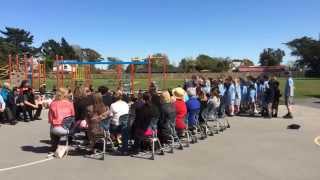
[{"x": 81, "y": 74}]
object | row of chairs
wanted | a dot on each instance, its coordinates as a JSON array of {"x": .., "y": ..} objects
[{"x": 212, "y": 125}]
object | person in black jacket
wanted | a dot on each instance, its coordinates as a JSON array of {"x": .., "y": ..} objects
[
  {"x": 147, "y": 117},
  {"x": 167, "y": 118},
  {"x": 277, "y": 95},
  {"x": 269, "y": 98}
]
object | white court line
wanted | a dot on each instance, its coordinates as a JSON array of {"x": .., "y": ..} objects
[
  {"x": 317, "y": 140},
  {"x": 27, "y": 164}
]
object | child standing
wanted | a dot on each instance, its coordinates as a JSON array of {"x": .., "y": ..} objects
[
  {"x": 252, "y": 99},
  {"x": 277, "y": 95},
  {"x": 238, "y": 96}
]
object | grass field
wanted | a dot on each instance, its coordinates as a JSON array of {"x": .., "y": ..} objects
[{"x": 304, "y": 87}]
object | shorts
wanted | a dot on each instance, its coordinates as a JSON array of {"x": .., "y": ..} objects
[
  {"x": 288, "y": 100},
  {"x": 237, "y": 102}
]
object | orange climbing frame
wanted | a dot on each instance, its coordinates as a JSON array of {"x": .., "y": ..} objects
[{"x": 31, "y": 73}]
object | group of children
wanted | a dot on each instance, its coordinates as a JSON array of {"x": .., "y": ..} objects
[
  {"x": 19, "y": 103},
  {"x": 251, "y": 95}
]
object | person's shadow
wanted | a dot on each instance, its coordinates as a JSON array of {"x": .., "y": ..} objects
[{"x": 38, "y": 149}]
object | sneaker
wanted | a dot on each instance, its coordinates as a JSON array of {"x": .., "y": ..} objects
[
  {"x": 289, "y": 116},
  {"x": 285, "y": 116}
]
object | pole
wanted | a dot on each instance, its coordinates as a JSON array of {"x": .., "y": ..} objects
[
  {"x": 25, "y": 61},
  {"x": 149, "y": 71},
  {"x": 57, "y": 70},
  {"x": 164, "y": 74},
  {"x": 132, "y": 78},
  {"x": 62, "y": 72},
  {"x": 32, "y": 71},
  {"x": 17, "y": 62},
  {"x": 10, "y": 67}
]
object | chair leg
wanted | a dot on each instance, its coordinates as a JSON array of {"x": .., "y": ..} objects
[
  {"x": 104, "y": 148},
  {"x": 172, "y": 144},
  {"x": 153, "y": 149},
  {"x": 160, "y": 147},
  {"x": 67, "y": 146}
]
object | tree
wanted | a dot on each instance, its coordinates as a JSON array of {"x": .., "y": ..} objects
[
  {"x": 51, "y": 48},
  {"x": 308, "y": 52},
  {"x": 67, "y": 50},
  {"x": 20, "y": 39},
  {"x": 5, "y": 49},
  {"x": 113, "y": 66},
  {"x": 271, "y": 57},
  {"x": 90, "y": 55},
  {"x": 247, "y": 62}
]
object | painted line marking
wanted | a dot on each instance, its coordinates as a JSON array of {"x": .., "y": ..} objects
[{"x": 27, "y": 164}]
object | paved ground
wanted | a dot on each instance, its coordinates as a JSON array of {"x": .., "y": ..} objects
[{"x": 253, "y": 149}]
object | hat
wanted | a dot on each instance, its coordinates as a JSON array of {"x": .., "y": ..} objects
[{"x": 178, "y": 93}]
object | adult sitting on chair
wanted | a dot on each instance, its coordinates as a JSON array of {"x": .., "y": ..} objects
[
  {"x": 59, "y": 109},
  {"x": 118, "y": 109},
  {"x": 193, "y": 107},
  {"x": 167, "y": 117},
  {"x": 147, "y": 118},
  {"x": 96, "y": 112},
  {"x": 181, "y": 110}
]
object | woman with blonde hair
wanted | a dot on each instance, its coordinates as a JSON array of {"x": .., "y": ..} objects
[
  {"x": 59, "y": 109},
  {"x": 181, "y": 110},
  {"x": 167, "y": 117}
]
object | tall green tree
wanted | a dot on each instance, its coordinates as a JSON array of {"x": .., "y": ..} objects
[
  {"x": 113, "y": 66},
  {"x": 90, "y": 55},
  {"x": 271, "y": 57},
  {"x": 308, "y": 52},
  {"x": 5, "y": 49},
  {"x": 20, "y": 39},
  {"x": 247, "y": 62},
  {"x": 67, "y": 50}
]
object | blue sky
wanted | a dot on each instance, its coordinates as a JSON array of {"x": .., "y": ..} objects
[{"x": 179, "y": 28}]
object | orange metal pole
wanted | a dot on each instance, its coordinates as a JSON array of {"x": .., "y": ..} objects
[
  {"x": 32, "y": 71},
  {"x": 25, "y": 66},
  {"x": 164, "y": 74},
  {"x": 149, "y": 71},
  {"x": 44, "y": 72},
  {"x": 39, "y": 75},
  {"x": 10, "y": 67},
  {"x": 57, "y": 70},
  {"x": 17, "y": 62},
  {"x": 132, "y": 78},
  {"x": 62, "y": 73}
]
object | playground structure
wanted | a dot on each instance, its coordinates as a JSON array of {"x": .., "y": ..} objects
[
  {"x": 25, "y": 68},
  {"x": 82, "y": 71}
]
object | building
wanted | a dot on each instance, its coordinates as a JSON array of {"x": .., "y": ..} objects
[{"x": 262, "y": 69}]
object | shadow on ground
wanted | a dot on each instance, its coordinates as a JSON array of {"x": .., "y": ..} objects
[{"x": 36, "y": 149}]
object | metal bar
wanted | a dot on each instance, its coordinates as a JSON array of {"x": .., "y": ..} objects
[
  {"x": 25, "y": 66},
  {"x": 62, "y": 72},
  {"x": 17, "y": 62},
  {"x": 57, "y": 70},
  {"x": 149, "y": 71},
  {"x": 10, "y": 68},
  {"x": 132, "y": 78}
]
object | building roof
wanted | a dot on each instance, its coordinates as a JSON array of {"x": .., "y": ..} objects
[{"x": 262, "y": 69}]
